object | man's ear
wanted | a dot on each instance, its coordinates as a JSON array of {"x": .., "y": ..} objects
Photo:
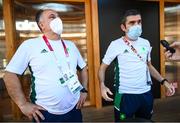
[
  {"x": 123, "y": 28},
  {"x": 41, "y": 25}
]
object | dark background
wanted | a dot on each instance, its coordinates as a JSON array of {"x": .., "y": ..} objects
[{"x": 110, "y": 14}]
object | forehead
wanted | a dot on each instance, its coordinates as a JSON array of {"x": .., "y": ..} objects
[
  {"x": 133, "y": 18},
  {"x": 49, "y": 12}
]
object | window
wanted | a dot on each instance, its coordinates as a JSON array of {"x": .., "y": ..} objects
[{"x": 172, "y": 33}]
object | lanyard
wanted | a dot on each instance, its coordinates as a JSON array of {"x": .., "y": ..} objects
[
  {"x": 51, "y": 49},
  {"x": 149, "y": 82},
  {"x": 132, "y": 48}
]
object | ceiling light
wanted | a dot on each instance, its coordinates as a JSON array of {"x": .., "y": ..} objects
[{"x": 55, "y": 6}]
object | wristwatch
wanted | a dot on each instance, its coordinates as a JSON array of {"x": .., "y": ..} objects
[
  {"x": 162, "y": 81},
  {"x": 83, "y": 90}
]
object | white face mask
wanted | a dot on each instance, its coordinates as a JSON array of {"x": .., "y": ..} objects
[
  {"x": 134, "y": 32},
  {"x": 56, "y": 25}
]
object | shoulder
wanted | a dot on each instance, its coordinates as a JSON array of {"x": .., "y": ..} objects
[
  {"x": 32, "y": 41},
  {"x": 117, "y": 42},
  {"x": 117, "y": 45},
  {"x": 144, "y": 41},
  {"x": 69, "y": 43},
  {"x": 71, "y": 46}
]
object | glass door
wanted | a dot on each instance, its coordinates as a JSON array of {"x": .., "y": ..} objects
[{"x": 172, "y": 33}]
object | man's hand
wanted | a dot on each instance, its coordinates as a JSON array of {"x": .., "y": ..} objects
[
  {"x": 81, "y": 101},
  {"x": 105, "y": 91},
  {"x": 173, "y": 56},
  {"x": 169, "y": 88},
  {"x": 32, "y": 111}
]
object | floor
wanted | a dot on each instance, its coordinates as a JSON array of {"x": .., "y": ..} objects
[{"x": 165, "y": 110}]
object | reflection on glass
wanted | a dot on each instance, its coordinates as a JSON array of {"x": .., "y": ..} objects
[
  {"x": 72, "y": 15},
  {"x": 2, "y": 45},
  {"x": 5, "y": 102},
  {"x": 56, "y": 6},
  {"x": 2, "y": 42},
  {"x": 172, "y": 33}
]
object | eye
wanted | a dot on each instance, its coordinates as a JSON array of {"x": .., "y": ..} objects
[
  {"x": 52, "y": 16},
  {"x": 132, "y": 22},
  {"x": 139, "y": 21}
]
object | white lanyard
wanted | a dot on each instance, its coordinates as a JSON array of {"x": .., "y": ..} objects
[{"x": 51, "y": 49}]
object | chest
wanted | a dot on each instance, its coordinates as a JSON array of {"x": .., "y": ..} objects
[
  {"x": 42, "y": 58},
  {"x": 140, "y": 51}
]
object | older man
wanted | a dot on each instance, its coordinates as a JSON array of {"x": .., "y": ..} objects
[{"x": 56, "y": 93}]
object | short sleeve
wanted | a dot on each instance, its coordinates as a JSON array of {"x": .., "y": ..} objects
[
  {"x": 110, "y": 54},
  {"x": 80, "y": 61},
  {"x": 19, "y": 61},
  {"x": 149, "y": 54},
  {"x": 149, "y": 51}
]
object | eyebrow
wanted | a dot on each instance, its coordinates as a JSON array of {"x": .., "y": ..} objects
[
  {"x": 53, "y": 14},
  {"x": 135, "y": 21}
]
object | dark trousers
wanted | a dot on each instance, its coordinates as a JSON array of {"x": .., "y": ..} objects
[
  {"x": 135, "y": 107},
  {"x": 74, "y": 115}
]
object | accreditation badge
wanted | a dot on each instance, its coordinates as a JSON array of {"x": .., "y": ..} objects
[
  {"x": 70, "y": 80},
  {"x": 74, "y": 85},
  {"x": 64, "y": 79}
]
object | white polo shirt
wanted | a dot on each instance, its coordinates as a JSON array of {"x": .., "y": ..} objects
[
  {"x": 46, "y": 90},
  {"x": 132, "y": 72}
]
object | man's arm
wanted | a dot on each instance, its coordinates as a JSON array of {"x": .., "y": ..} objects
[
  {"x": 154, "y": 73},
  {"x": 157, "y": 76},
  {"x": 84, "y": 79},
  {"x": 14, "y": 88},
  {"x": 102, "y": 71},
  {"x": 104, "y": 89},
  {"x": 15, "y": 91}
]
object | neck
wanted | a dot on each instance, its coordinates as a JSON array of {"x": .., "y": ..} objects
[
  {"x": 52, "y": 36},
  {"x": 128, "y": 38}
]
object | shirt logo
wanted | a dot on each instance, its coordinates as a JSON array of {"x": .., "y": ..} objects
[
  {"x": 143, "y": 49},
  {"x": 122, "y": 116},
  {"x": 126, "y": 51},
  {"x": 44, "y": 51},
  {"x": 68, "y": 49}
]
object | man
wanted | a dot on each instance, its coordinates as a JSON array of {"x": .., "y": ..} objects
[
  {"x": 132, "y": 73},
  {"x": 173, "y": 56},
  {"x": 55, "y": 92}
]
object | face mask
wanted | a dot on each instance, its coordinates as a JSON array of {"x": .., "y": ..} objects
[
  {"x": 134, "y": 32},
  {"x": 56, "y": 25}
]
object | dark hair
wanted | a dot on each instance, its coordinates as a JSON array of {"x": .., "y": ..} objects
[
  {"x": 129, "y": 13},
  {"x": 37, "y": 17}
]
